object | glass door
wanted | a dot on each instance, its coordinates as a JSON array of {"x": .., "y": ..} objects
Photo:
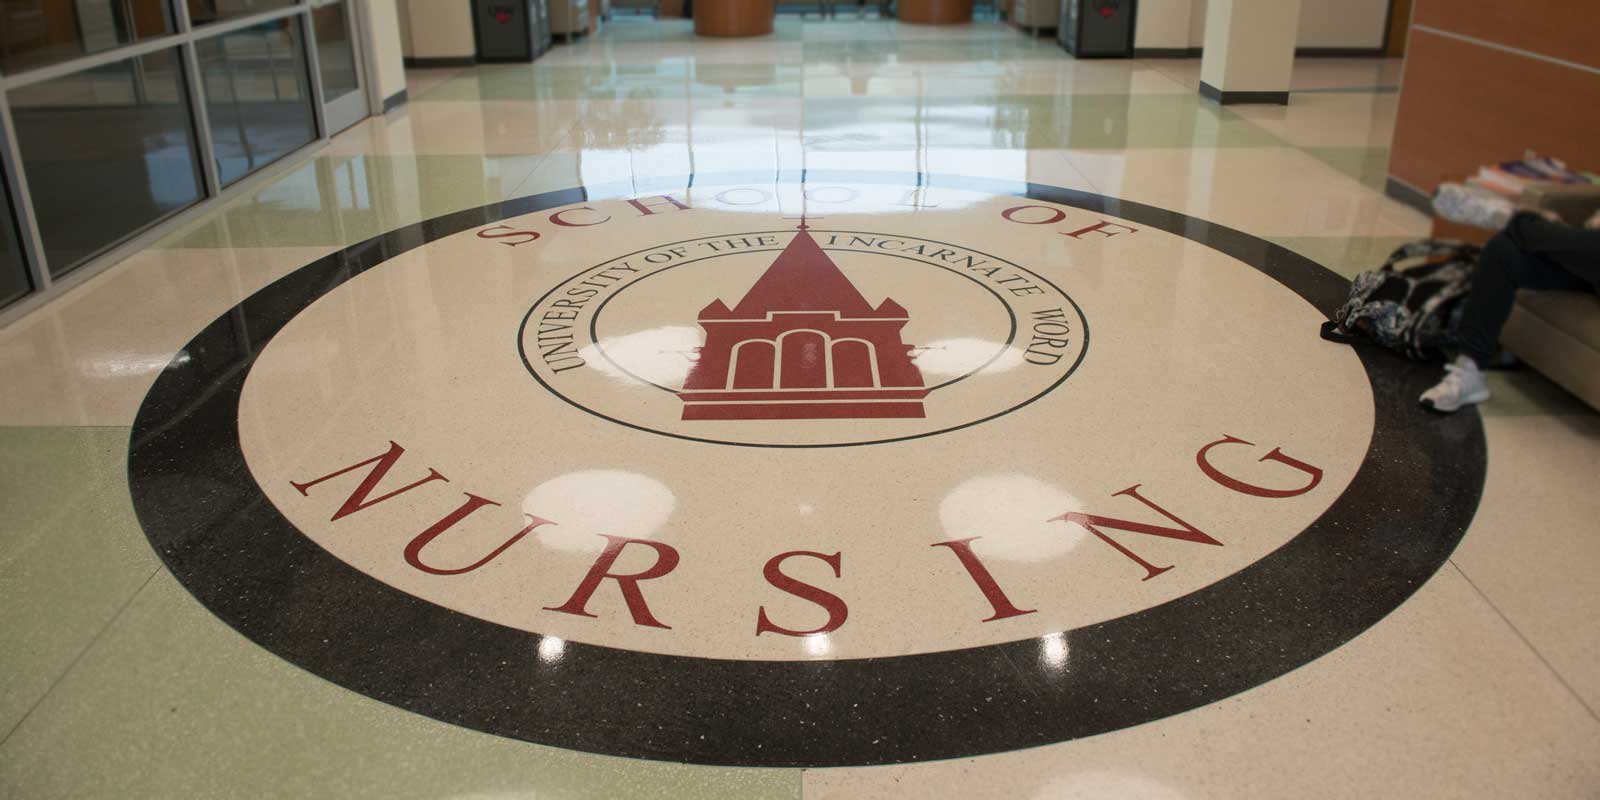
[
  {"x": 344, "y": 99},
  {"x": 14, "y": 281}
]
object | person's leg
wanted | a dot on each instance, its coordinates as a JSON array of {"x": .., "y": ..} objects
[
  {"x": 1523, "y": 256},
  {"x": 1575, "y": 250},
  {"x": 1531, "y": 253}
]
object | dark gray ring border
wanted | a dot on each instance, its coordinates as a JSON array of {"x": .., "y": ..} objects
[{"x": 227, "y": 544}]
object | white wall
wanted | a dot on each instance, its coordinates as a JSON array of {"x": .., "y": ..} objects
[
  {"x": 1162, "y": 24},
  {"x": 1343, "y": 23},
  {"x": 403, "y": 12},
  {"x": 1197, "y": 24},
  {"x": 1173, "y": 24},
  {"x": 440, "y": 28}
]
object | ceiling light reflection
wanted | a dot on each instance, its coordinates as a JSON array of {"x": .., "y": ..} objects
[
  {"x": 1053, "y": 652},
  {"x": 1009, "y": 512},
  {"x": 552, "y": 649},
  {"x": 125, "y": 364},
  {"x": 661, "y": 356},
  {"x": 585, "y": 506},
  {"x": 952, "y": 358},
  {"x": 818, "y": 645}
]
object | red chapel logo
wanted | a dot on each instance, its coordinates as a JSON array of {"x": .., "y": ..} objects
[
  {"x": 803, "y": 344},
  {"x": 803, "y": 336}
]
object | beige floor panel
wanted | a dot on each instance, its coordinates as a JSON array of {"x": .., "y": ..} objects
[
  {"x": 1310, "y": 74},
  {"x": 1534, "y": 545},
  {"x": 89, "y": 357},
  {"x": 1267, "y": 191},
  {"x": 1328, "y": 119},
  {"x": 511, "y": 127},
  {"x": 1407, "y": 710}
]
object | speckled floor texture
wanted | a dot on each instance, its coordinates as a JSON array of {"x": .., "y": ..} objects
[{"x": 866, "y": 410}]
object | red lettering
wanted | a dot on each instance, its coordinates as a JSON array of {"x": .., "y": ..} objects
[
  {"x": 645, "y": 209},
  {"x": 509, "y": 234},
  {"x": 1099, "y": 227},
  {"x": 1186, "y": 532},
  {"x": 556, "y": 218},
  {"x": 380, "y": 467},
  {"x": 1056, "y": 215},
  {"x": 837, "y": 610},
  {"x": 1249, "y": 488},
  {"x": 1002, "y": 605},
  {"x": 666, "y": 561},
  {"x": 414, "y": 549}
]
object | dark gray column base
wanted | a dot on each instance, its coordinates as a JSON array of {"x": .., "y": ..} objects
[
  {"x": 1210, "y": 92},
  {"x": 1403, "y": 192},
  {"x": 394, "y": 101},
  {"x": 1166, "y": 52},
  {"x": 446, "y": 61}
]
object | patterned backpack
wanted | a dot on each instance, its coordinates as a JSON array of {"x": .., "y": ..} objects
[{"x": 1411, "y": 304}]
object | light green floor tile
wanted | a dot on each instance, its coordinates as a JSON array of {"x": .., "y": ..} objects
[
  {"x": 1524, "y": 392},
  {"x": 172, "y": 703},
  {"x": 71, "y": 553},
  {"x": 660, "y": 81},
  {"x": 1346, "y": 255},
  {"x": 932, "y": 51},
  {"x": 338, "y": 200},
  {"x": 1370, "y": 165},
  {"x": 625, "y": 27},
  {"x": 638, "y": 125},
  {"x": 1082, "y": 121}
]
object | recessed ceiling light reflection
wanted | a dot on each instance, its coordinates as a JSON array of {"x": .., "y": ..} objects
[
  {"x": 115, "y": 366},
  {"x": 661, "y": 356},
  {"x": 818, "y": 645},
  {"x": 1009, "y": 513},
  {"x": 823, "y": 201},
  {"x": 585, "y": 508},
  {"x": 952, "y": 358},
  {"x": 1053, "y": 652},
  {"x": 552, "y": 649}
]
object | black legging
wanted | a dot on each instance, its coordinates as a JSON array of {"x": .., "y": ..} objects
[{"x": 1531, "y": 253}]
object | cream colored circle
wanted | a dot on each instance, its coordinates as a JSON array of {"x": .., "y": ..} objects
[{"x": 1188, "y": 346}]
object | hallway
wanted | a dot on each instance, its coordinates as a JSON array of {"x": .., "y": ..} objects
[{"x": 115, "y": 681}]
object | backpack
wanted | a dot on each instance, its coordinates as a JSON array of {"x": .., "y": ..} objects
[{"x": 1411, "y": 304}]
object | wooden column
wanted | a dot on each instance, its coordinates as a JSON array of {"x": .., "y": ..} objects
[
  {"x": 734, "y": 17},
  {"x": 935, "y": 12}
]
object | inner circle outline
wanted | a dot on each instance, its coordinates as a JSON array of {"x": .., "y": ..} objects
[{"x": 1062, "y": 378}]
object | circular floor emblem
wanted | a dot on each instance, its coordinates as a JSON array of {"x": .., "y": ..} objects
[
  {"x": 798, "y": 338},
  {"x": 698, "y": 471}
]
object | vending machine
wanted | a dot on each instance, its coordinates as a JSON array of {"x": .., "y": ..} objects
[
  {"x": 1097, "y": 28},
  {"x": 511, "y": 30}
]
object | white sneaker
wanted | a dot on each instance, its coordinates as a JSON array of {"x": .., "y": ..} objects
[{"x": 1463, "y": 385}]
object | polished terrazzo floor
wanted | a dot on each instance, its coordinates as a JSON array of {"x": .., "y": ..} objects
[{"x": 116, "y": 682}]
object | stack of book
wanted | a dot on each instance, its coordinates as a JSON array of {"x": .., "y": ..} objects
[
  {"x": 1488, "y": 199},
  {"x": 1511, "y": 177}
]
